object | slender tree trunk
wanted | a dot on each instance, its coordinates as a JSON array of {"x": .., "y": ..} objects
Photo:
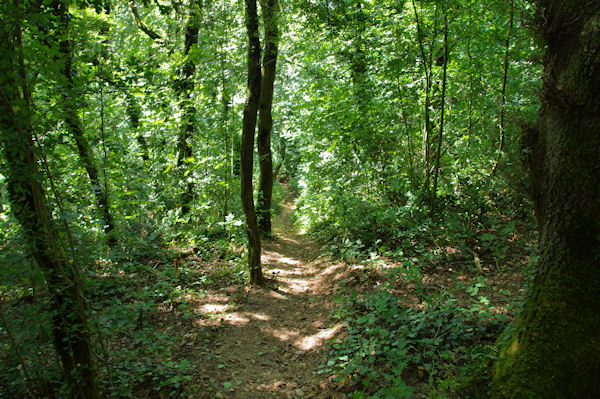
[
  {"x": 552, "y": 349},
  {"x": 409, "y": 144},
  {"x": 404, "y": 116},
  {"x": 427, "y": 137},
  {"x": 226, "y": 100},
  {"x": 503, "y": 91},
  {"x": 133, "y": 110},
  {"x": 265, "y": 121},
  {"x": 427, "y": 67},
  {"x": 73, "y": 121},
  {"x": 442, "y": 106},
  {"x": 188, "y": 124},
  {"x": 470, "y": 100},
  {"x": 363, "y": 142},
  {"x": 358, "y": 66},
  {"x": 281, "y": 156},
  {"x": 28, "y": 204},
  {"x": 247, "y": 145}
]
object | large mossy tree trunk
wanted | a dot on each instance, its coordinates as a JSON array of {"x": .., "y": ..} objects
[
  {"x": 265, "y": 121},
  {"x": 70, "y": 328},
  {"x": 185, "y": 89},
  {"x": 552, "y": 350},
  {"x": 247, "y": 145},
  {"x": 73, "y": 122}
]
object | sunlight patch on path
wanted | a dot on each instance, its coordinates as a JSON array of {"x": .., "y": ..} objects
[
  {"x": 296, "y": 285},
  {"x": 277, "y": 295},
  {"x": 284, "y": 273},
  {"x": 316, "y": 340},
  {"x": 215, "y": 308},
  {"x": 305, "y": 343},
  {"x": 237, "y": 318},
  {"x": 272, "y": 339},
  {"x": 283, "y": 334},
  {"x": 287, "y": 239},
  {"x": 276, "y": 257}
]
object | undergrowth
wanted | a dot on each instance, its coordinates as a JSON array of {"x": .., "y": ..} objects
[
  {"x": 447, "y": 282},
  {"x": 140, "y": 297},
  {"x": 389, "y": 348},
  {"x": 138, "y": 302}
]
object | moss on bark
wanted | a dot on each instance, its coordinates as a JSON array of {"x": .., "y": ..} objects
[{"x": 552, "y": 350}]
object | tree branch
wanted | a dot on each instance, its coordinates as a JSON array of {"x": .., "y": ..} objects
[{"x": 140, "y": 23}]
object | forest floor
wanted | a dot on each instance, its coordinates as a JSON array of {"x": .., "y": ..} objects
[
  {"x": 249, "y": 342},
  {"x": 184, "y": 323},
  {"x": 269, "y": 342}
]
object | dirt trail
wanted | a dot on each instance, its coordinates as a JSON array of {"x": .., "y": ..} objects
[{"x": 269, "y": 342}]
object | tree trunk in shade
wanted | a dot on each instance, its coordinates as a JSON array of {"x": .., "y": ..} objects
[
  {"x": 265, "y": 121},
  {"x": 552, "y": 349},
  {"x": 247, "y": 145}
]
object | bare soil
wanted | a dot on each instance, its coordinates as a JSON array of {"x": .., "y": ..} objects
[
  {"x": 254, "y": 343},
  {"x": 270, "y": 342}
]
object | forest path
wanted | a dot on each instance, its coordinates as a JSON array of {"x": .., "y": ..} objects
[{"x": 270, "y": 342}]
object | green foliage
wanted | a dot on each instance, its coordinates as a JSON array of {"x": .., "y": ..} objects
[
  {"x": 348, "y": 131},
  {"x": 387, "y": 343},
  {"x": 355, "y": 219},
  {"x": 132, "y": 308}
]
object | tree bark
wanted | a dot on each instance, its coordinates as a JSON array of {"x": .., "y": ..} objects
[
  {"x": 265, "y": 121},
  {"x": 442, "y": 106},
  {"x": 225, "y": 111},
  {"x": 427, "y": 67},
  {"x": 28, "y": 203},
  {"x": 140, "y": 23},
  {"x": 552, "y": 350},
  {"x": 503, "y": 90},
  {"x": 247, "y": 145},
  {"x": 185, "y": 90},
  {"x": 73, "y": 121},
  {"x": 133, "y": 110},
  {"x": 358, "y": 67}
]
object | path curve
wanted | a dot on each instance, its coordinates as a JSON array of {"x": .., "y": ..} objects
[{"x": 270, "y": 342}]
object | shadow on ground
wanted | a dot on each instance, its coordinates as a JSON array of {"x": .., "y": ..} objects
[{"x": 270, "y": 342}]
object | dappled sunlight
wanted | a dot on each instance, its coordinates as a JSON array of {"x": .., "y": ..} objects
[
  {"x": 274, "y": 337},
  {"x": 235, "y": 318},
  {"x": 283, "y": 334},
  {"x": 305, "y": 343},
  {"x": 283, "y": 272},
  {"x": 260, "y": 316},
  {"x": 275, "y": 257},
  {"x": 314, "y": 341},
  {"x": 244, "y": 317},
  {"x": 333, "y": 270},
  {"x": 277, "y": 295},
  {"x": 239, "y": 318},
  {"x": 214, "y": 308},
  {"x": 289, "y": 240},
  {"x": 296, "y": 286},
  {"x": 216, "y": 298},
  {"x": 289, "y": 261},
  {"x": 273, "y": 386}
]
